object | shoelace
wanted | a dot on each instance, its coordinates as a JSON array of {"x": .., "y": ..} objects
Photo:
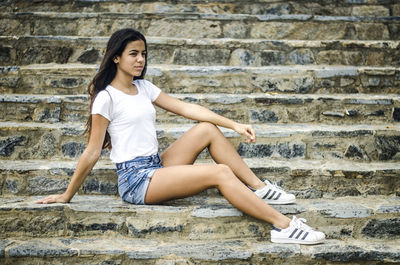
[
  {"x": 300, "y": 224},
  {"x": 273, "y": 184}
]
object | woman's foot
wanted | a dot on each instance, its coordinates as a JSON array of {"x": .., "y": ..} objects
[
  {"x": 273, "y": 194},
  {"x": 297, "y": 233}
]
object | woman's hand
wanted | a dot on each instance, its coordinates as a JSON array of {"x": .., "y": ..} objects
[
  {"x": 247, "y": 131},
  {"x": 58, "y": 198}
]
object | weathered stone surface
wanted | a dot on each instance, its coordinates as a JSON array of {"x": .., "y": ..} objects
[
  {"x": 387, "y": 147},
  {"x": 235, "y": 52},
  {"x": 272, "y": 57},
  {"x": 94, "y": 227},
  {"x": 199, "y": 79},
  {"x": 301, "y": 57},
  {"x": 40, "y": 249},
  {"x": 387, "y": 228},
  {"x": 5, "y": 54},
  {"x": 96, "y": 223},
  {"x": 48, "y": 145},
  {"x": 389, "y": 209},
  {"x": 286, "y": 150},
  {"x": 263, "y": 116},
  {"x": 241, "y": 57},
  {"x": 44, "y": 185},
  {"x": 280, "y": 250},
  {"x": 284, "y": 84},
  {"x": 376, "y": 113},
  {"x": 98, "y": 204},
  {"x": 90, "y": 56},
  {"x": 340, "y": 57},
  {"x": 8, "y": 144},
  {"x": 357, "y": 152},
  {"x": 353, "y": 253},
  {"x": 201, "y": 56},
  {"x": 333, "y": 114},
  {"x": 97, "y": 186},
  {"x": 235, "y": 29},
  {"x": 41, "y": 55},
  {"x": 215, "y": 211},
  {"x": 144, "y": 227},
  {"x": 369, "y": 101},
  {"x": 94, "y": 246},
  {"x": 67, "y": 133},
  {"x": 337, "y": 8},
  {"x": 46, "y": 114},
  {"x": 184, "y": 29},
  {"x": 258, "y": 150},
  {"x": 13, "y": 186},
  {"x": 370, "y": 10},
  {"x": 216, "y": 251},
  {"x": 370, "y": 81},
  {"x": 308, "y": 194},
  {"x": 337, "y": 253},
  {"x": 67, "y": 82},
  {"x": 351, "y": 112},
  {"x": 346, "y": 81},
  {"x": 343, "y": 71},
  {"x": 292, "y": 209},
  {"x": 396, "y": 114},
  {"x": 342, "y": 210},
  {"x": 198, "y": 25},
  {"x": 73, "y": 149},
  {"x": 31, "y": 224},
  {"x": 357, "y": 132},
  {"x": 3, "y": 245}
]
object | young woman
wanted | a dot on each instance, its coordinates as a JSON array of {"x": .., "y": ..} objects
[{"x": 123, "y": 117}]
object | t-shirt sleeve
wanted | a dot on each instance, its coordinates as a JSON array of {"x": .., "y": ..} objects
[
  {"x": 102, "y": 105},
  {"x": 152, "y": 90}
]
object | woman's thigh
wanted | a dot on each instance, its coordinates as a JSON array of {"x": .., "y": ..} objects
[
  {"x": 185, "y": 150},
  {"x": 182, "y": 181}
]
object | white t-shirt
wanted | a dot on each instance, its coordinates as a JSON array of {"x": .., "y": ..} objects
[{"x": 132, "y": 120}]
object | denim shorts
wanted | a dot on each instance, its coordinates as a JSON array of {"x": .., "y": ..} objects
[{"x": 134, "y": 177}]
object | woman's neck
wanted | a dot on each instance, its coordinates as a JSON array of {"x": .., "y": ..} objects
[{"x": 124, "y": 83}]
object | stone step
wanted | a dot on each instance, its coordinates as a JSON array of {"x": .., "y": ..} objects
[
  {"x": 198, "y": 25},
  {"x": 326, "y": 7},
  {"x": 309, "y": 179},
  {"x": 195, "y": 218},
  {"x": 64, "y": 79},
  {"x": 93, "y": 250},
  {"x": 207, "y": 52},
  {"x": 21, "y": 141},
  {"x": 253, "y": 108}
]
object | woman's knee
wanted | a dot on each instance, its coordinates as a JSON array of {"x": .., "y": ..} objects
[
  {"x": 207, "y": 128},
  {"x": 224, "y": 173}
]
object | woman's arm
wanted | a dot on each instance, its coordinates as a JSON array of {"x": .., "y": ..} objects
[
  {"x": 86, "y": 162},
  {"x": 199, "y": 113}
]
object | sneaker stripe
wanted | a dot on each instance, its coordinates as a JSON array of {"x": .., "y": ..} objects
[
  {"x": 304, "y": 237},
  {"x": 266, "y": 195},
  {"x": 294, "y": 232},
  {"x": 301, "y": 232},
  {"x": 276, "y": 229},
  {"x": 277, "y": 197},
  {"x": 270, "y": 197}
]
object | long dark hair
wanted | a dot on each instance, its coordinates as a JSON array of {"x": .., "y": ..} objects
[{"x": 108, "y": 69}]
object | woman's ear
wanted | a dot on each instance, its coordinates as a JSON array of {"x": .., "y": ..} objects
[{"x": 116, "y": 59}]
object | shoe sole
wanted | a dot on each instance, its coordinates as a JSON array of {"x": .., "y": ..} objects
[
  {"x": 294, "y": 241},
  {"x": 279, "y": 202}
]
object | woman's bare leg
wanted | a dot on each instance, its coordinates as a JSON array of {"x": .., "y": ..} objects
[
  {"x": 182, "y": 181},
  {"x": 185, "y": 150}
]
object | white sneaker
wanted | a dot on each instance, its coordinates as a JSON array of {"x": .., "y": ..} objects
[
  {"x": 297, "y": 233},
  {"x": 273, "y": 194}
]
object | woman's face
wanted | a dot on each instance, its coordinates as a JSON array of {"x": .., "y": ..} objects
[{"x": 132, "y": 59}]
